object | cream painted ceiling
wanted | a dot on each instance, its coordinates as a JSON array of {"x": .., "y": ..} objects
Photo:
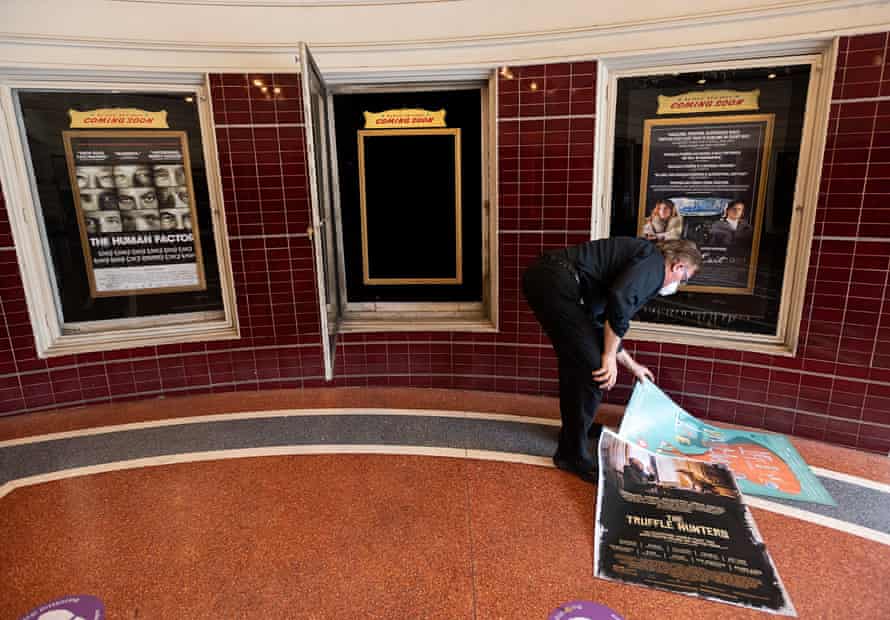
[
  {"x": 354, "y": 34},
  {"x": 362, "y": 22}
]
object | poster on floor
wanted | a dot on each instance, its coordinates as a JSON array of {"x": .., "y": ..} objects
[
  {"x": 704, "y": 179},
  {"x": 133, "y": 195},
  {"x": 680, "y": 525},
  {"x": 763, "y": 463}
]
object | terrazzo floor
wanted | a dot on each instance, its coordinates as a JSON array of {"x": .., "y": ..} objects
[{"x": 395, "y": 534}]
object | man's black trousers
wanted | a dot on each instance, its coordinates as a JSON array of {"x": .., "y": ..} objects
[{"x": 553, "y": 291}]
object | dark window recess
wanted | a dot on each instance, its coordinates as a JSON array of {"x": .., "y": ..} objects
[
  {"x": 422, "y": 201},
  {"x": 410, "y": 198}
]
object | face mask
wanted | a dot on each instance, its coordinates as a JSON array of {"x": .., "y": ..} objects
[{"x": 670, "y": 289}]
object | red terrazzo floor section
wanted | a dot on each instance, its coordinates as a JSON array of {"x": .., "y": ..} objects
[
  {"x": 366, "y": 536},
  {"x": 302, "y": 537}
]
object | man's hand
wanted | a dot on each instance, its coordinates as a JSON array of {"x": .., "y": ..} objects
[
  {"x": 607, "y": 374},
  {"x": 636, "y": 369},
  {"x": 641, "y": 372}
]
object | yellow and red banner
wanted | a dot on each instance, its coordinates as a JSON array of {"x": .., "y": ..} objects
[
  {"x": 409, "y": 118},
  {"x": 709, "y": 101},
  {"x": 106, "y": 118}
]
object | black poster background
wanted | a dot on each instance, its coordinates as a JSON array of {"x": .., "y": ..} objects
[
  {"x": 702, "y": 165},
  {"x": 126, "y": 154},
  {"x": 425, "y": 167},
  {"x": 680, "y": 496}
]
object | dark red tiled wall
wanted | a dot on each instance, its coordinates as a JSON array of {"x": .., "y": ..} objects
[{"x": 837, "y": 388}]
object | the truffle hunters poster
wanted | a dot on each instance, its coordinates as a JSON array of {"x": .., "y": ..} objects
[
  {"x": 134, "y": 198},
  {"x": 763, "y": 463},
  {"x": 705, "y": 179},
  {"x": 680, "y": 525}
]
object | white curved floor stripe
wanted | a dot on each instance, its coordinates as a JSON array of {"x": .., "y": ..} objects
[
  {"x": 279, "y": 413},
  {"x": 507, "y": 457}
]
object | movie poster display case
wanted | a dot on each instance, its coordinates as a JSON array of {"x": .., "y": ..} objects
[
  {"x": 727, "y": 155},
  {"x": 124, "y": 239}
]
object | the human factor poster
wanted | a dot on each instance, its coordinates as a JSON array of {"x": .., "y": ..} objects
[{"x": 134, "y": 201}]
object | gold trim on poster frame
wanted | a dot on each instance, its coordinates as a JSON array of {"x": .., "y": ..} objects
[
  {"x": 367, "y": 280},
  {"x": 85, "y": 244},
  {"x": 769, "y": 119}
]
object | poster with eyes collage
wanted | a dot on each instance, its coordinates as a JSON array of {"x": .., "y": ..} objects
[{"x": 133, "y": 194}]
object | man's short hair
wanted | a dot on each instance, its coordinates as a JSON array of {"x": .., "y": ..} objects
[{"x": 681, "y": 250}]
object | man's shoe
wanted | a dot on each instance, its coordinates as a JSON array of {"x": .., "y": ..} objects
[{"x": 587, "y": 475}]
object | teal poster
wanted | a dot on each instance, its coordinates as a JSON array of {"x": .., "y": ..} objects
[{"x": 763, "y": 463}]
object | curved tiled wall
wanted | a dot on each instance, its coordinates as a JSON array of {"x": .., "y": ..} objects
[{"x": 836, "y": 389}]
